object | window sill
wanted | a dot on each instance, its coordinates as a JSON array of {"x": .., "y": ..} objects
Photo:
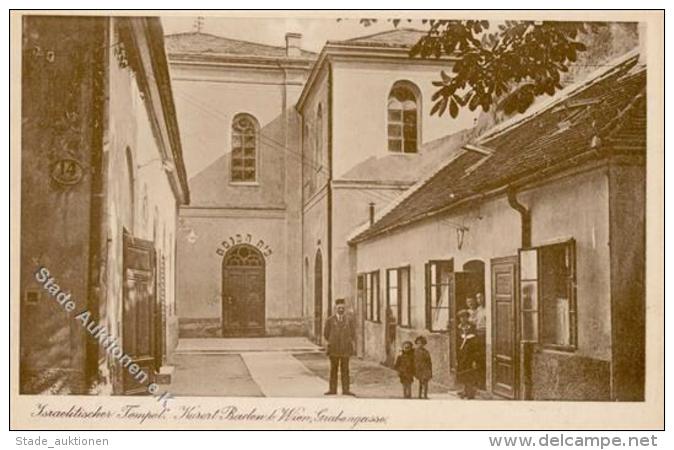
[
  {"x": 438, "y": 331},
  {"x": 403, "y": 153},
  {"x": 373, "y": 321},
  {"x": 558, "y": 348},
  {"x": 244, "y": 183}
]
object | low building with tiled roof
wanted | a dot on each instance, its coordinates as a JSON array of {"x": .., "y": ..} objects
[
  {"x": 529, "y": 147},
  {"x": 543, "y": 217}
]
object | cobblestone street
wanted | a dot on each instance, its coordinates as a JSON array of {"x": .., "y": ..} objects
[{"x": 274, "y": 367}]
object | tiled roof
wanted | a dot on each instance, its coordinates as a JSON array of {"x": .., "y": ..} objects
[
  {"x": 400, "y": 37},
  {"x": 611, "y": 106},
  {"x": 204, "y": 43}
]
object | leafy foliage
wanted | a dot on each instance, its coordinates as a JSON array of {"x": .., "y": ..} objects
[{"x": 508, "y": 68}]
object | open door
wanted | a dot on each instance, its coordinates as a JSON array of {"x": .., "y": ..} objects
[
  {"x": 505, "y": 342},
  {"x": 139, "y": 315},
  {"x": 462, "y": 285}
]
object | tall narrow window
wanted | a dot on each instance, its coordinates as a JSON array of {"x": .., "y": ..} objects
[
  {"x": 399, "y": 307},
  {"x": 402, "y": 118},
  {"x": 404, "y": 304},
  {"x": 318, "y": 146},
  {"x": 438, "y": 275},
  {"x": 392, "y": 296},
  {"x": 244, "y": 148},
  {"x": 374, "y": 296},
  {"x": 548, "y": 295},
  {"x": 368, "y": 286}
]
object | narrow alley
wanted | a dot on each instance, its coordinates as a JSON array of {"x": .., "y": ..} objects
[{"x": 274, "y": 367}]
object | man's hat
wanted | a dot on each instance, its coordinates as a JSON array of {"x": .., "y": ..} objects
[{"x": 339, "y": 301}]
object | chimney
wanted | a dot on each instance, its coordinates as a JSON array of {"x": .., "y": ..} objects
[
  {"x": 371, "y": 213},
  {"x": 293, "y": 44}
]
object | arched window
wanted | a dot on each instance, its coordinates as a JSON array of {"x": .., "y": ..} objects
[
  {"x": 244, "y": 255},
  {"x": 403, "y": 120},
  {"x": 318, "y": 147},
  {"x": 244, "y": 148}
]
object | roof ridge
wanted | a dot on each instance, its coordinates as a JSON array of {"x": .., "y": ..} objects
[
  {"x": 225, "y": 38},
  {"x": 367, "y": 36}
]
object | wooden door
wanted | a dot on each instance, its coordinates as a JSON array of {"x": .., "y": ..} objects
[
  {"x": 505, "y": 347},
  {"x": 243, "y": 293},
  {"x": 139, "y": 312}
]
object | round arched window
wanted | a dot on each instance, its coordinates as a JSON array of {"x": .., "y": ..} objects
[
  {"x": 403, "y": 119},
  {"x": 244, "y": 148}
]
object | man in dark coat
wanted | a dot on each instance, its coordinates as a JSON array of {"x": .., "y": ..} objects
[{"x": 340, "y": 334}]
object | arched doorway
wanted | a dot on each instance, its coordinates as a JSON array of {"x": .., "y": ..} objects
[
  {"x": 476, "y": 266},
  {"x": 243, "y": 292},
  {"x": 318, "y": 296}
]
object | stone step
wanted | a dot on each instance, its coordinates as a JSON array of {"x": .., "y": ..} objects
[
  {"x": 215, "y": 346},
  {"x": 235, "y": 351}
]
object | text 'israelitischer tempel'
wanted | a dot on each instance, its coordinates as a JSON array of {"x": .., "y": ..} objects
[{"x": 230, "y": 413}]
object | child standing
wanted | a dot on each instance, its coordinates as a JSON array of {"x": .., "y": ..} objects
[
  {"x": 423, "y": 366},
  {"x": 404, "y": 364},
  {"x": 467, "y": 361}
]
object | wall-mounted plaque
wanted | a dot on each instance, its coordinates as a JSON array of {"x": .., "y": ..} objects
[{"x": 67, "y": 171}]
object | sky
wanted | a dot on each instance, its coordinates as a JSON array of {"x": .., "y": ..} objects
[{"x": 271, "y": 30}]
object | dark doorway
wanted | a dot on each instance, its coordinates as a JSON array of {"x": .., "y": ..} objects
[
  {"x": 504, "y": 326},
  {"x": 461, "y": 286},
  {"x": 476, "y": 268},
  {"x": 243, "y": 292},
  {"x": 139, "y": 312},
  {"x": 318, "y": 296},
  {"x": 391, "y": 316}
]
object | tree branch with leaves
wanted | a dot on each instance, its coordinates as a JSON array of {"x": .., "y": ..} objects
[{"x": 507, "y": 68}]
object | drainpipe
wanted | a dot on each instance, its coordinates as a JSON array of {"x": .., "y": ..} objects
[
  {"x": 525, "y": 216},
  {"x": 371, "y": 213},
  {"x": 523, "y": 389},
  {"x": 329, "y": 191}
]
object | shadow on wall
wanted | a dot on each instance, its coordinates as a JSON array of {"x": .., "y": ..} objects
[
  {"x": 213, "y": 186},
  {"x": 410, "y": 167}
]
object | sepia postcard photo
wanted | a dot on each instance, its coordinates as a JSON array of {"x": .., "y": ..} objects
[{"x": 337, "y": 220}]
